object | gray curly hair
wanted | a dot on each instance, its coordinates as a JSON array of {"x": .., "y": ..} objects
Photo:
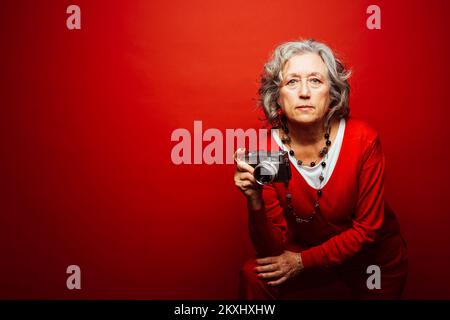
[{"x": 272, "y": 77}]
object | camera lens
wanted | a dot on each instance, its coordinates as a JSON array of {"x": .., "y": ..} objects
[{"x": 265, "y": 172}]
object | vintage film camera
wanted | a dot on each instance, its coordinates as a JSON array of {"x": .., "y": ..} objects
[{"x": 270, "y": 166}]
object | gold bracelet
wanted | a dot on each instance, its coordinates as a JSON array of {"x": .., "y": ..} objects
[{"x": 298, "y": 257}]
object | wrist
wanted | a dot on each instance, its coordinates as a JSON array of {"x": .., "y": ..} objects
[
  {"x": 298, "y": 257},
  {"x": 255, "y": 203}
]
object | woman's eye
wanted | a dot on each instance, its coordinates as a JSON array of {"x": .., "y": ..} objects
[
  {"x": 315, "y": 81},
  {"x": 291, "y": 82}
]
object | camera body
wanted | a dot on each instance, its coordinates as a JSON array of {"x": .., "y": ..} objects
[{"x": 270, "y": 166}]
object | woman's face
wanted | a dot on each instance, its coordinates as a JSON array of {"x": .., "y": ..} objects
[{"x": 305, "y": 90}]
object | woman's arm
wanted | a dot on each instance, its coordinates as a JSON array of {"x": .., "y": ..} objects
[
  {"x": 368, "y": 218},
  {"x": 266, "y": 222},
  {"x": 267, "y": 225}
]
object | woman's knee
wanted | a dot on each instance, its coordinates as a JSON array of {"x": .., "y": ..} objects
[
  {"x": 253, "y": 288},
  {"x": 247, "y": 273}
]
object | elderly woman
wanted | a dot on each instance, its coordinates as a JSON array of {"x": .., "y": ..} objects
[{"x": 330, "y": 222}]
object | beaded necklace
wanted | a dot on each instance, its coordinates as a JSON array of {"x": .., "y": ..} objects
[{"x": 323, "y": 157}]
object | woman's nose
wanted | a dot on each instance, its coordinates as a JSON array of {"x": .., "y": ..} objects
[{"x": 304, "y": 90}]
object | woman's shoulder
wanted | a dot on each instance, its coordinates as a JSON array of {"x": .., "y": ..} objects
[
  {"x": 363, "y": 139},
  {"x": 360, "y": 130}
]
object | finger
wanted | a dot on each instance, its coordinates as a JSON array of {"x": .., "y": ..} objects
[
  {"x": 267, "y": 267},
  {"x": 277, "y": 282},
  {"x": 239, "y": 155},
  {"x": 244, "y": 167},
  {"x": 271, "y": 275},
  {"x": 266, "y": 260},
  {"x": 247, "y": 184},
  {"x": 245, "y": 188},
  {"x": 247, "y": 176}
]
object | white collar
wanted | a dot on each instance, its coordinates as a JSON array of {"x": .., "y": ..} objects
[{"x": 311, "y": 174}]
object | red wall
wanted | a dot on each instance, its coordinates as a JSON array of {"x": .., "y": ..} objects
[{"x": 87, "y": 115}]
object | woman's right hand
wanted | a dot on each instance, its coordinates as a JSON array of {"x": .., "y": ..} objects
[{"x": 245, "y": 181}]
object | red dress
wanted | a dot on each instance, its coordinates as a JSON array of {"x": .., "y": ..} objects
[{"x": 353, "y": 229}]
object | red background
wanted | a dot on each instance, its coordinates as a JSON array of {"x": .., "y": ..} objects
[{"x": 87, "y": 115}]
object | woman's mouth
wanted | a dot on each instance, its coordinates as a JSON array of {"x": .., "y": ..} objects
[{"x": 304, "y": 107}]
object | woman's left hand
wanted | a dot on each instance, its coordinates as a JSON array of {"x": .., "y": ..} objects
[{"x": 281, "y": 268}]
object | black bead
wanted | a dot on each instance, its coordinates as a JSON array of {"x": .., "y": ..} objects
[
  {"x": 324, "y": 150},
  {"x": 289, "y": 196},
  {"x": 291, "y": 152},
  {"x": 323, "y": 164},
  {"x": 313, "y": 164},
  {"x": 321, "y": 178},
  {"x": 327, "y": 135},
  {"x": 299, "y": 162},
  {"x": 319, "y": 193},
  {"x": 316, "y": 205},
  {"x": 328, "y": 142}
]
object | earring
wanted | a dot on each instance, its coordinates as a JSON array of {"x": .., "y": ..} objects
[
  {"x": 279, "y": 112},
  {"x": 276, "y": 122}
]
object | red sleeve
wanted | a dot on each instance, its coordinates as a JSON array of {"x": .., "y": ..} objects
[
  {"x": 267, "y": 226},
  {"x": 368, "y": 216}
]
